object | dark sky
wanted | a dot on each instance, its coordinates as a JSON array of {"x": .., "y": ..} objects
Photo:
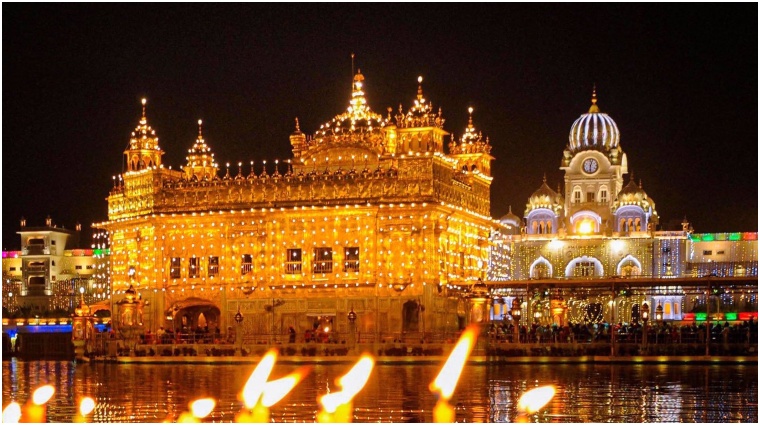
[{"x": 679, "y": 80}]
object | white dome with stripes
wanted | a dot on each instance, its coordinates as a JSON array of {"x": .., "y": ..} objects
[{"x": 594, "y": 130}]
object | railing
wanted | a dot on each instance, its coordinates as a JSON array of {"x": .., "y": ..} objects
[{"x": 293, "y": 267}]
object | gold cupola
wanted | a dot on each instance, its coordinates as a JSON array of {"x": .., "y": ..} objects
[
  {"x": 143, "y": 152},
  {"x": 200, "y": 159},
  {"x": 473, "y": 151},
  {"x": 420, "y": 129}
]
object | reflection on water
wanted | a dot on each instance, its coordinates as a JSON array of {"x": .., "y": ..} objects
[{"x": 585, "y": 393}]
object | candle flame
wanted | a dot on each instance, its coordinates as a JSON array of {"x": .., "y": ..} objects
[
  {"x": 275, "y": 390},
  {"x": 533, "y": 400},
  {"x": 352, "y": 382},
  {"x": 12, "y": 413},
  {"x": 86, "y": 406},
  {"x": 43, "y": 394},
  {"x": 446, "y": 381},
  {"x": 255, "y": 385},
  {"x": 202, "y": 407}
]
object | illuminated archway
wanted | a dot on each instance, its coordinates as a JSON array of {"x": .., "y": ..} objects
[
  {"x": 626, "y": 261},
  {"x": 541, "y": 261},
  {"x": 584, "y": 267}
]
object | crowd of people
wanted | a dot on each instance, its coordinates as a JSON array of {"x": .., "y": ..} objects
[{"x": 657, "y": 332}]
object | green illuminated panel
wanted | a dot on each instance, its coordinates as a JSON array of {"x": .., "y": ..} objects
[
  {"x": 735, "y": 236},
  {"x": 707, "y": 237},
  {"x": 701, "y": 316},
  {"x": 731, "y": 316}
]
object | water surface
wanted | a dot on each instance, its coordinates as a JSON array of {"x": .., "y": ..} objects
[{"x": 585, "y": 393}]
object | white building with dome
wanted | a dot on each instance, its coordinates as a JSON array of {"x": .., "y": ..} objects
[{"x": 596, "y": 238}]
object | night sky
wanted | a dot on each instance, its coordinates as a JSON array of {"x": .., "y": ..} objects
[{"x": 679, "y": 80}]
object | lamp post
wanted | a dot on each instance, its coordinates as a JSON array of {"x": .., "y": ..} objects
[
  {"x": 238, "y": 336},
  {"x": 645, "y": 319},
  {"x": 516, "y": 313},
  {"x": 352, "y": 328}
]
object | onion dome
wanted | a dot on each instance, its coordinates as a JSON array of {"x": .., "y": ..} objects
[
  {"x": 594, "y": 130},
  {"x": 511, "y": 219},
  {"x": 358, "y": 118},
  {"x": 144, "y": 137},
  {"x": 633, "y": 194},
  {"x": 200, "y": 159},
  {"x": 544, "y": 197},
  {"x": 472, "y": 141},
  {"x": 420, "y": 114}
]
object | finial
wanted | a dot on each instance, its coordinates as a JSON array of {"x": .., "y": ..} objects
[
  {"x": 298, "y": 127},
  {"x": 632, "y": 175},
  {"x": 641, "y": 185},
  {"x": 544, "y": 178},
  {"x": 510, "y": 209},
  {"x": 469, "y": 123},
  {"x": 593, "y": 95},
  {"x": 200, "y": 129},
  {"x": 144, "y": 101},
  {"x": 419, "y": 87},
  {"x": 352, "y": 64},
  {"x": 389, "y": 113}
]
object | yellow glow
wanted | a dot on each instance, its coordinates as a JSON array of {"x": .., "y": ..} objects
[
  {"x": 533, "y": 400},
  {"x": 446, "y": 381},
  {"x": 255, "y": 385},
  {"x": 470, "y": 109},
  {"x": 12, "y": 413},
  {"x": 202, "y": 407},
  {"x": 43, "y": 394},
  {"x": 275, "y": 390},
  {"x": 144, "y": 101},
  {"x": 585, "y": 227},
  {"x": 352, "y": 382},
  {"x": 86, "y": 406}
]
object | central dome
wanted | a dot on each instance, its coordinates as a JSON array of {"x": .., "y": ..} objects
[
  {"x": 357, "y": 118},
  {"x": 594, "y": 131}
]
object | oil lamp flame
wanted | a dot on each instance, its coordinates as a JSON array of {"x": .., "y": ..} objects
[
  {"x": 355, "y": 379},
  {"x": 533, "y": 400},
  {"x": 446, "y": 381},
  {"x": 86, "y": 406},
  {"x": 12, "y": 413},
  {"x": 337, "y": 406},
  {"x": 43, "y": 394},
  {"x": 256, "y": 383},
  {"x": 202, "y": 407},
  {"x": 274, "y": 391}
]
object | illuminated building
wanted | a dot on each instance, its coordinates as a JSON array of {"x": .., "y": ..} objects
[
  {"x": 575, "y": 245},
  {"x": 46, "y": 274},
  {"x": 370, "y": 215}
]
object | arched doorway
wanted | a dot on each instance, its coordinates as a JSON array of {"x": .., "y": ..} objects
[{"x": 194, "y": 316}]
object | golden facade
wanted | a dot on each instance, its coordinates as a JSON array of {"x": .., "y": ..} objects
[{"x": 370, "y": 215}]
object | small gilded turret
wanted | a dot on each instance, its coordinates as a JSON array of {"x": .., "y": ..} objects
[{"x": 298, "y": 141}]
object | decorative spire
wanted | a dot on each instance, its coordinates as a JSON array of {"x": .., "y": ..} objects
[
  {"x": 143, "y": 119},
  {"x": 594, "y": 108},
  {"x": 419, "y": 89},
  {"x": 544, "y": 177},
  {"x": 298, "y": 127},
  {"x": 200, "y": 129}
]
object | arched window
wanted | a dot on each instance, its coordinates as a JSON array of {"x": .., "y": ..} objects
[
  {"x": 548, "y": 227},
  {"x": 638, "y": 224},
  {"x": 540, "y": 271},
  {"x": 577, "y": 196}
]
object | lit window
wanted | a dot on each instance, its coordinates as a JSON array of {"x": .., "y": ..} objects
[
  {"x": 247, "y": 264},
  {"x": 577, "y": 197},
  {"x": 351, "y": 259},
  {"x": 323, "y": 260},
  {"x": 293, "y": 263},
  {"x": 603, "y": 195},
  {"x": 174, "y": 268},
  {"x": 193, "y": 268},
  {"x": 213, "y": 266},
  {"x": 584, "y": 269}
]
